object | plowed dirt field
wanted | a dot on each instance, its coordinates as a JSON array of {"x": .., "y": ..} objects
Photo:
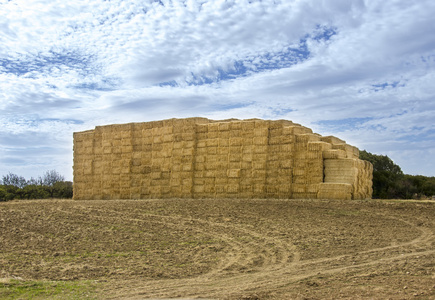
[{"x": 221, "y": 249}]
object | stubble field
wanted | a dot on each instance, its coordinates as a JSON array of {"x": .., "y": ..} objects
[{"x": 217, "y": 249}]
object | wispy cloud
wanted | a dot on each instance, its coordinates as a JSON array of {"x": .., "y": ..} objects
[{"x": 361, "y": 70}]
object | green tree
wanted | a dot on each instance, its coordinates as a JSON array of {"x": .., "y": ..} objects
[
  {"x": 386, "y": 176},
  {"x": 63, "y": 189},
  {"x": 390, "y": 182}
]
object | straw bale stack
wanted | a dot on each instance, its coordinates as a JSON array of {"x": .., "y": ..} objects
[{"x": 201, "y": 158}]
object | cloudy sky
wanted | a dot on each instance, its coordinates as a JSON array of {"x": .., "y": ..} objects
[{"x": 362, "y": 70}]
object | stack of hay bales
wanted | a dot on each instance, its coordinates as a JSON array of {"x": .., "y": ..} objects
[
  {"x": 345, "y": 175},
  {"x": 201, "y": 158}
]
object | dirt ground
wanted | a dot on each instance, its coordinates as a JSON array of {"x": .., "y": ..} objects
[{"x": 224, "y": 249}]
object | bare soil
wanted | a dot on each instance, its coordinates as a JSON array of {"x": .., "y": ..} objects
[{"x": 224, "y": 249}]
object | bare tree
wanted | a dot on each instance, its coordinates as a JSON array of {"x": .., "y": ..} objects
[
  {"x": 51, "y": 177},
  {"x": 15, "y": 180}
]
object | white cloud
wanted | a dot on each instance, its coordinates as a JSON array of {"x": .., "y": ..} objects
[{"x": 361, "y": 70}]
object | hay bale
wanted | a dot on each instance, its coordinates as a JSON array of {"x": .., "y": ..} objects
[
  {"x": 335, "y": 191},
  {"x": 256, "y": 157}
]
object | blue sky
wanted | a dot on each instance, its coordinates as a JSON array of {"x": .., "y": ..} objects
[{"x": 362, "y": 70}]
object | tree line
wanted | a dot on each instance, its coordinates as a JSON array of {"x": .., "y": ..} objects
[
  {"x": 50, "y": 185},
  {"x": 389, "y": 182}
]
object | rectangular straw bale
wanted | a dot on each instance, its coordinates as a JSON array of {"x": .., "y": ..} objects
[
  {"x": 212, "y": 142},
  {"x": 212, "y": 158},
  {"x": 98, "y": 148},
  {"x": 335, "y": 191},
  {"x": 350, "y": 172},
  {"x": 188, "y": 136},
  {"x": 88, "y": 141},
  {"x": 285, "y": 189},
  {"x": 299, "y": 171},
  {"x": 297, "y": 130},
  {"x": 259, "y": 165},
  {"x": 107, "y": 150},
  {"x": 332, "y": 140},
  {"x": 201, "y": 144},
  {"x": 198, "y": 180},
  {"x": 224, "y": 126},
  {"x": 147, "y": 132},
  {"x": 300, "y": 155},
  {"x": 340, "y": 163},
  {"x": 261, "y": 132},
  {"x": 213, "y": 134},
  {"x": 260, "y": 140},
  {"x": 106, "y": 143},
  {"x": 247, "y": 156},
  {"x": 276, "y": 149},
  {"x": 334, "y": 154},
  {"x": 247, "y": 149},
  {"x": 88, "y": 151},
  {"x": 299, "y": 179},
  {"x": 314, "y": 155},
  {"x": 286, "y": 164},
  {"x": 260, "y": 149},
  {"x": 248, "y": 126},
  {"x": 223, "y": 152},
  {"x": 117, "y": 143},
  {"x": 200, "y": 158},
  {"x": 126, "y": 142},
  {"x": 126, "y": 134},
  {"x": 167, "y": 130},
  {"x": 233, "y": 173},
  {"x": 305, "y": 138},
  {"x": 271, "y": 189},
  {"x": 137, "y": 148},
  {"x": 168, "y": 138},
  {"x": 209, "y": 174},
  {"x": 273, "y": 165},
  {"x": 147, "y": 140},
  {"x": 233, "y": 188},
  {"x": 234, "y": 133},
  {"x": 221, "y": 180},
  {"x": 213, "y": 127},
  {"x": 224, "y": 134},
  {"x": 187, "y": 167},
  {"x": 236, "y": 141},
  {"x": 259, "y": 189},
  {"x": 235, "y": 149},
  {"x": 261, "y": 123},
  {"x": 318, "y": 146},
  {"x": 220, "y": 189},
  {"x": 276, "y": 140},
  {"x": 178, "y": 137},
  {"x": 274, "y": 124},
  {"x": 236, "y": 126},
  {"x": 201, "y": 135},
  {"x": 351, "y": 151},
  {"x": 209, "y": 191},
  {"x": 275, "y": 131},
  {"x": 245, "y": 165},
  {"x": 273, "y": 156},
  {"x": 223, "y": 142}
]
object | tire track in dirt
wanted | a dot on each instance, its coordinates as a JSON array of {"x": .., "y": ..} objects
[
  {"x": 235, "y": 275},
  {"x": 273, "y": 275},
  {"x": 270, "y": 253}
]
